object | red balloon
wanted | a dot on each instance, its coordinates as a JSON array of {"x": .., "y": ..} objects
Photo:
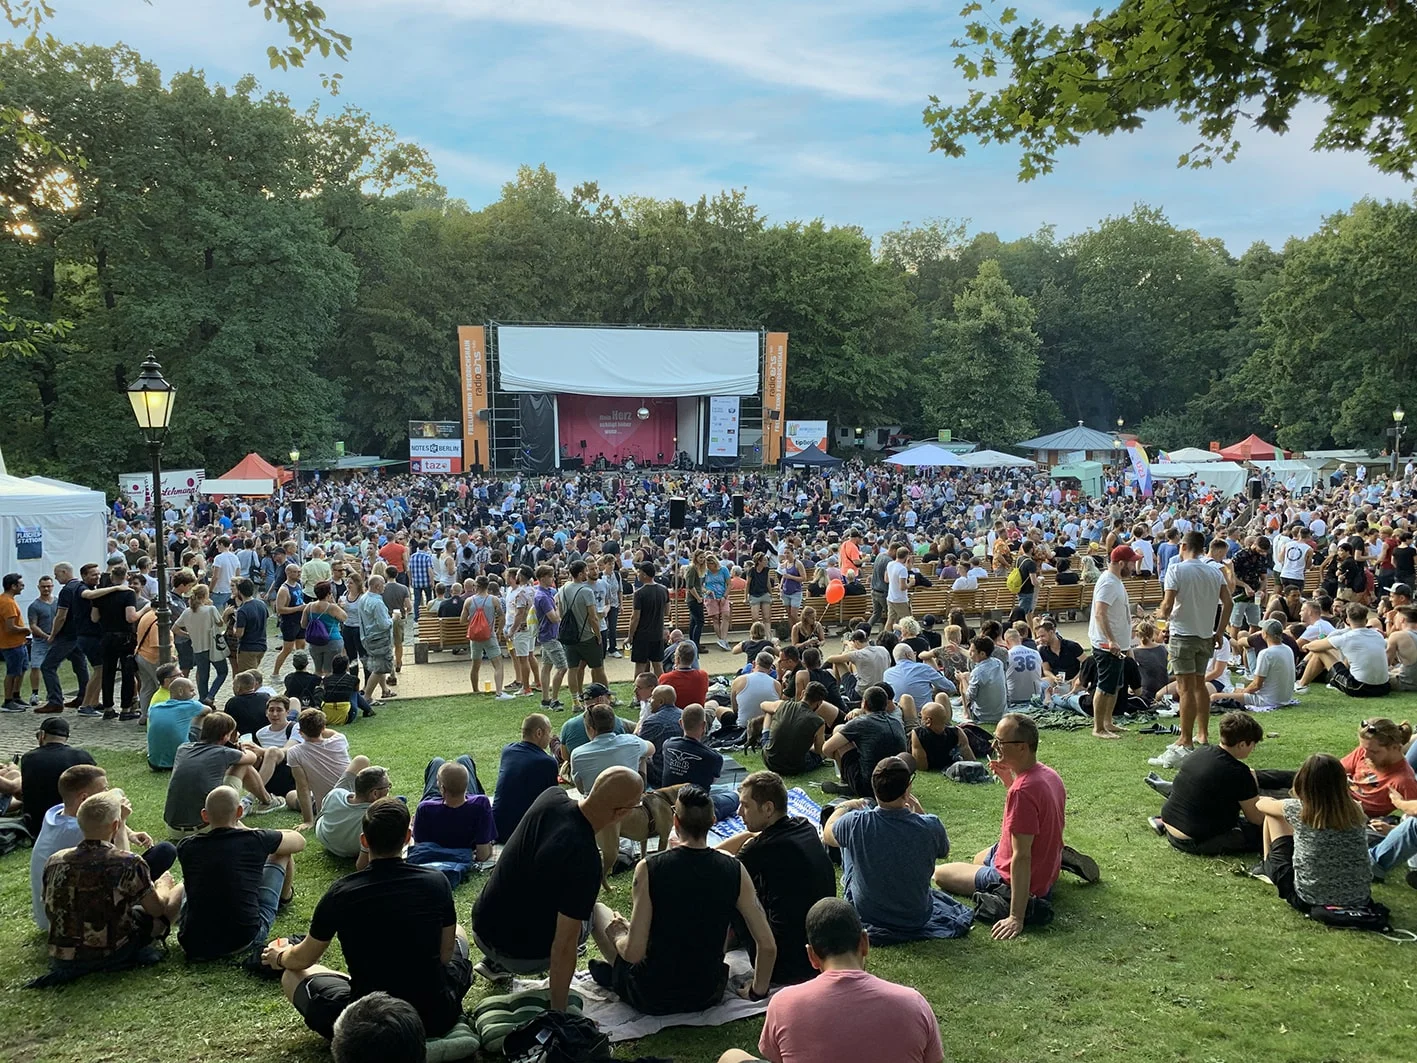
[{"x": 836, "y": 591}]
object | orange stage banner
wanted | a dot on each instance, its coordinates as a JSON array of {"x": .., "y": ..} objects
[
  {"x": 774, "y": 396},
  {"x": 476, "y": 394}
]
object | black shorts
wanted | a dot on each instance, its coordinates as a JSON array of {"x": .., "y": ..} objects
[
  {"x": 91, "y": 646},
  {"x": 588, "y": 652},
  {"x": 647, "y": 651},
  {"x": 322, "y": 998},
  {"x": 1279, "y": 866},
  {"x": 653, "y": 997},
  {"x": 851, "y": 774},
  {"x": 1111, "y": 671},
  {"x": 290, "y": 629}
]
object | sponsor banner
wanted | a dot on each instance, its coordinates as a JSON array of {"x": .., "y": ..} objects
[
  {"x": 29, "y": 543},
  {"x": 436, "y": 465},
  {"x": 723, "y": 426},
  {"x": 476, "y": 394},
  {"x": 802, "y": 435},
  {"x": 434, "y": 430},
  {"x": 179, "y": 486},
  {"x": 435, "y": 448},
  {"x": 436, "y": 453},
  {"x": 774, "y": 395}
]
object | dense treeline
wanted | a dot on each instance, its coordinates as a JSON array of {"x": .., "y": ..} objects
[{"x": 300, "y": 277}]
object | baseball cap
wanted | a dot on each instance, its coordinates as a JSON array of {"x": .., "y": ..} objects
[
  {"x": 596, "y": 690},
  {"x": 1124, "y": 553},
  {"x": 55, "y": 725},
  {"x": 300, "y": 659},
  {"x": 1402, "y": 589},
  {"x": 1272, "y": 628},
  {"x": 891, "y": 776}
]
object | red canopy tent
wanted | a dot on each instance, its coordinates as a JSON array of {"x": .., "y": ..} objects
[
  {"x": 1253, "y": 448},
  {"x": 245, "y": 476}
]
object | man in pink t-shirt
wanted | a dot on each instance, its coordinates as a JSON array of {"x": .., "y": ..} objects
[
  {"x": 1030, "y": 845},
  {"x": 807, "y": 1023}
]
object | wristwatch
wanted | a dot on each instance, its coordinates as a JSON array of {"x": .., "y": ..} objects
[{"x": 755, "y": 996}]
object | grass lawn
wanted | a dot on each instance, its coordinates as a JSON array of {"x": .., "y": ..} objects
[{"x": 1168, "y": 958}]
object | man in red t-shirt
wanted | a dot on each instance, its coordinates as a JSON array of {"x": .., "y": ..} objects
[
  {"x": 1030, "y": 845},
  {"x": 690, "y": 684},
  {"x": 395, "y": 551}
]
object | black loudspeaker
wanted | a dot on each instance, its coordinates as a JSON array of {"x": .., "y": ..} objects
[
  {"x": 677, "y": 508},
  {"x": 737, "y": 507},
  {"x": 297, "y": 510},
  {"x": 583, "y": 444},
  {"x": 1255, "y": 490}
]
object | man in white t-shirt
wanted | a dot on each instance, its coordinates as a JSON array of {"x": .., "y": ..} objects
[
  {"x": 1273, "y": 684},
  {"x": 1109, "y": 630},
  {"x": 224, "y": 569},
  {"x": 1315, "y": 626},
  {"x": 1196, "y": 597},
  {"x": 341, "y": 819},
  {"x": 1355, "y": 658},
  {"x": 869, "y": 661},
  {"x": 898, "y": 587}
]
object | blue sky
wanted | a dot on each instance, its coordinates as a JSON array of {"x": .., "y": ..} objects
[{"x": 812, "y": 106}]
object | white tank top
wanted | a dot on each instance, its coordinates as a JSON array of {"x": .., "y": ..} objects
[{"x": 758, "y": 689}]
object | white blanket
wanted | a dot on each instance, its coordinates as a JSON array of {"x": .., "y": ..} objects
[{"x": 620, "y": 1022}]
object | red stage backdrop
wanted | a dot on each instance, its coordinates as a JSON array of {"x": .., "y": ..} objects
[{"x": 609, "y": 426}]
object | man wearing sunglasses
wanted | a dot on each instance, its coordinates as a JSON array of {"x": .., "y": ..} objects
[{"x": 1030, "y": 847}]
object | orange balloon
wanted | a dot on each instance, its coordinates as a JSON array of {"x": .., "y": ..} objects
[{"x": 836, "y": 591}]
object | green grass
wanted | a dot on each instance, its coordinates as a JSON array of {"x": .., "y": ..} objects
[{"x": 1168, "y": 958}]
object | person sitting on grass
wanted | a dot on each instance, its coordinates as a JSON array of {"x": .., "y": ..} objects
[
  {"x": 1378, "y": 770},
  {"x": 936, "y": 742},
  {"x": 61, "y": 830},
  {"x": 1354, "y": 657},
  {"x": 247, "y": 705},
  {"x": 858, "y": 745},
  {"x": 797, "y": 731},
  {"x": 341, "y": 687},
  {"x": 453, "y": 812},
  {"x": 236, "y": 880},
  {"x": 342, "y": 813},
  {"x": 668, "y": 957},
  {"x": 397, "y": 928},
  {"x": 524, "y": 772},
  {"x": 688, "y": 759},
  {"x": 985, "y": 697},
  {"x": 379, "y": 1028},
  {"x": 1315, "y": 843},
  {"x": 300, "y": 684},
  {"x": 607, "y": 747},
  {"x": 573, "y": 731},
  {"x": 1030, "y": 848},
  {"x": 888, "y": 854},
  {"x": 218, "y": 757},
  {"x": 789, "y": 868},
  {"x": 170, "y": 723},
  {"x": 165, "y": 673},
  {"x": 1273, "y": 682},
  {"x": 94, "y": 892},
  {"x": 806, "y": 1023},
  {"x": 317, "y": 763},
  {"x": 663, "y": 723}
]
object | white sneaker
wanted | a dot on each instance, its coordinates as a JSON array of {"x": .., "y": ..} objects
[
  {"x": 260, "y": 808},
  {"x": 504, "y": 696},
  {"x": 1299, "y": 688},
  {"x": 1171, "y": 757},
  {"x": 617, "y": 653}
]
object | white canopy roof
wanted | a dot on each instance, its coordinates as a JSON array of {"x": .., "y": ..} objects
[
  {"x": 237, "y": 487},
  {"x": 993, "y": 459},
  {"x": 1227, "y": 477},
  {"x": 1192, "y": 455},
  {"x": 45, "y": 521},
  {"x": 930, "y": 455}
]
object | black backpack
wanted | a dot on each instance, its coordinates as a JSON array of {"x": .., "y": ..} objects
[
  {"x": 555, "y": 1037},
  {"x": 570, "y": 630}
]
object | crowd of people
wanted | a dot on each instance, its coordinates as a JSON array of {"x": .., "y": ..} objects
[{"x": 1260, "y": 601}]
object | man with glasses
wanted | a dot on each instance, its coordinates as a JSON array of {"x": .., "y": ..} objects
[
  {"x": 342, "y": 813},
  {"x": 1030, "y": 848}
]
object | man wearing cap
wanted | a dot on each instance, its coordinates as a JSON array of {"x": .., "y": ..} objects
[
  {"x": 41, "y": 767},
  {"x": 851, "y": 554},
  {"x": 1273, "y": 683},
  {"x": 1109, "y": 629},
  {"x": 573, "y": 731},
  {"x": 888, "y": 855}
]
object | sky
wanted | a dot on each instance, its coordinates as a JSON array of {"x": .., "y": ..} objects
[{"x": 813, "y": 107}]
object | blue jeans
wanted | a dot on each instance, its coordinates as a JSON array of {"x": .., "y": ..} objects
[
  {"x": 205, "y": 663},
  {"x": 1411, "y": 750},
  {"x": 60, "y": 650},
  {"x": 430, "y": 777},
  {"x": 220, "y": 600},
  {"x": 696, "y": 621},
  {"x": 1397, "y": 845},
  {"x": 420, "y": 596},
  {"x": 725, "y": 802},
  {"x": 609, "y": 638}
]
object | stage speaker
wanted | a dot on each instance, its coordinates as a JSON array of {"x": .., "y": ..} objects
[
  {"x": 737, "y": 507},
  {"x": 583, "y": 444},
  {"x": 1255, "y": 490},
  {"x": 677, "y": 509},
  {"x": 484, "y": 414},
  {"x": 297, "y": 510}
]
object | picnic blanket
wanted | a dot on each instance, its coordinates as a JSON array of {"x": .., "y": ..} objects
[
  {"x": 798, "y": 804},
  {"x": 620, "y": 1022}
]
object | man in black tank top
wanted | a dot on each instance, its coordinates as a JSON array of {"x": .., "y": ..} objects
[{"x": 669, "y": 957}]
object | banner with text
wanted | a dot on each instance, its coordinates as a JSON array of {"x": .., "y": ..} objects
[
  {"x": 723, "y": 426},
  {"x": 802, "y": 435},
  {"x": 179, "y": 486},
  {"x": 476, "y": 397},
  {"x": 435, "y": 446},
  {"x": 774, "y": 395}
]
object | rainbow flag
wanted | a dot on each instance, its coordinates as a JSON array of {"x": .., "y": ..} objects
[
  {"x": 1141, "y": 467},
  {"x": 1161, "y": 455}
]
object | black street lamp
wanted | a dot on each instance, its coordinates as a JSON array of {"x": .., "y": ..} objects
[
  {"x": 1397, "y": 429},
  {"x": 152, "y": 398}
]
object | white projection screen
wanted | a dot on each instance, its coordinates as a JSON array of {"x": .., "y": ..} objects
[{"x": 651, "y": 363}]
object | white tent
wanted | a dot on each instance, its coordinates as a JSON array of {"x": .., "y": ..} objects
[
  {"x": 994, "y": 459},
  {"x": 1302, "y": 472},
  {"x": 1227, "y": 477},
  {"x": 45, "y": 521},
  {"x": 927, "y": 454},
  {"x": 224, "y": 486},
  {"x": 1192, "y": 455}
]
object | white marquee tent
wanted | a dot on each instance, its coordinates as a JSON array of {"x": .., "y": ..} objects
[
  {"x": 1192, "y": 455},
  {"x": 994, "y": 459},
  {"x": 1227, "y": 477},
  {"x": 927, "y": 455},
  {"x": 45, "y": 521},
  {"x": 1302, "y": 471}
]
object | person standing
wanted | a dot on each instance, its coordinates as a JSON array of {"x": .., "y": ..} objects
[
  {"x": 117, "y": 609},
  {"x": 376, "y": 634},
  {"x": 13, "y": 633},
  {"x": 1195, "y": 590},
  {"x": 40, "y": 617},
  {"x": 1109, "y": 630},
  {"x": 64, "y": 639},
  {"x": 289, "y": 607},
  {"x": 581, "y": 618},
  {"x": 420, "y": 575},
  {"x": 650, "y": 604},
  {"x": 225, "y": 569},
  {"x": 548, "y": 637},
  {"x": 249, "y": 627},
  {"x": 898, "y": 587}
]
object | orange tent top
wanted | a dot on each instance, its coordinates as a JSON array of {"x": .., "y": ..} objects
[
  {"x": 255, "y": 467},
  {"x": 1252, "y": 448}
]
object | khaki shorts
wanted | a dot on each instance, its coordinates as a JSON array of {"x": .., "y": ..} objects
[
  {"x": 523, "y": 642},
  {"x": 896, "y": 611},
  {"x": 1189, "y": 654}
]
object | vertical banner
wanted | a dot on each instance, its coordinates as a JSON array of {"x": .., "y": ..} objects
[
  {"x": 472, "y": 361},
  {"x": 1141, "y": 467},
  {"x": 774, "y": 396},
  {"x": 723, "y": 426}
]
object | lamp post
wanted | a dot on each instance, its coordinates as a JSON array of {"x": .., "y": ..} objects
[
  {"x": 1397, "y": 429},
  {"x": 152, "y": 397},
  {"x": 300, "y": 525},
  {"x": 295, "y": 460}
]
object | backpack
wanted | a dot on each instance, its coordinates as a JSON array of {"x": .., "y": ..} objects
[
  {"x": 992, "y": 905},
  {"x": 1014, "y": 582},
  {"x": 317, "y": 632},
  {"x": 570, "y": 631},
  {"x": 479, "y": 628},
  {"x": 557, "y": 1037}
]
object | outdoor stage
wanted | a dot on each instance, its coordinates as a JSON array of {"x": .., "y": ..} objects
[{"x": 546, "y": 397}]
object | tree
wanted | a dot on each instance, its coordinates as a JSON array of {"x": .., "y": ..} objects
[
  {"x": 1212, "y": 62},
  {"x": 980, "y": 377}
]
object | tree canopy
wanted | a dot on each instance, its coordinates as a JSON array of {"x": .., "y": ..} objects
[{"x": 1211, "y": 62}]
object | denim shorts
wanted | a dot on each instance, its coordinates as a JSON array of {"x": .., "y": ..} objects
[
  {"x": 792, "y": 601},
  {"x": 16, "y": 660},
  {"x": 987, "y": 876}
]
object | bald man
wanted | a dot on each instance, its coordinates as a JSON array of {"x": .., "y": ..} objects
[
  {"x": 454, "y": 813},
  {"x": 536, "y": 908}
]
